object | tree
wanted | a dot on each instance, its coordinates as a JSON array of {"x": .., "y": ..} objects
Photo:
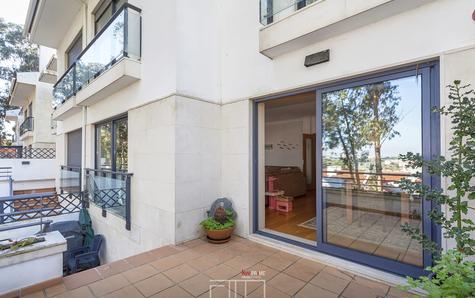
[
  {"x": 381, "y": 101},
  {"x": 17, "y": 54},
  {"x": 344, "y": 117}
]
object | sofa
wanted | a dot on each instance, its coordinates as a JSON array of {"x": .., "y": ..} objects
[{"x": 289, "y": 179}]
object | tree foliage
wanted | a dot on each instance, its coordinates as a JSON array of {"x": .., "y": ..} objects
[
  {"x": 17, "y": 54},
  {"x": 360, "y": 117}
]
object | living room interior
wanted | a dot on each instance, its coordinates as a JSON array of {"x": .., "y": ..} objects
[{"x": 290, "y": 166}]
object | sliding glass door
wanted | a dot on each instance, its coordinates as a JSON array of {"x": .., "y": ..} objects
[{"x": 362, "y": 126}]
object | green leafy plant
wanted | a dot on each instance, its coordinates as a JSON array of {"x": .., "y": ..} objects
[
  {"x": 212, "y": 224},
  {"x": 452, "y": 275},
  {"x": 459, "y": 169}
]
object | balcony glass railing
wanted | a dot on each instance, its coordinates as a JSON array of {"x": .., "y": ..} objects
[
  {"x": 110, "y": 191},
  {"x": 120, "y": 37},
  {"x": 70, "y": 179},
  {"x": 26, "y": 125},
  {"x": 274, "y": 10}
]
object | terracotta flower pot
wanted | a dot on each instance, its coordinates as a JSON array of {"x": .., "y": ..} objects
[{"x": 219, "y": 236}]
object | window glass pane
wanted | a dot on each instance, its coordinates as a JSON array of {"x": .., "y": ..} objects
[
  {"x": 103, "y": 15},
  {"x": 120, "y": 132},
  {"x": 104, "y": 146},
  {"x": 75, "y": 50},
  {"x": 365, "y": 129}
]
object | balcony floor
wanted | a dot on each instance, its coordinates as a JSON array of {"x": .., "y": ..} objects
[{"x": 186, "y": 270}]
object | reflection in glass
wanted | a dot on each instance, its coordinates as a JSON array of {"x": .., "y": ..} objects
[
  {"x": 365, "y": 128},
  {"x": 104, "y": 146},
  {"x": 120, "y": 132}
]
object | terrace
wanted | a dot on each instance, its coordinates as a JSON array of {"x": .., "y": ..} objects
[{"x": 193, "y": 269}]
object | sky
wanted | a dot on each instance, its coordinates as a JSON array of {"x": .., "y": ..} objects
[{"x": 14, "y": 10}]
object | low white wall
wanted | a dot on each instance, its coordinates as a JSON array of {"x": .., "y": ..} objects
[
  {"x": 33, "y": 264},
  {"x": 27, "y": 231},
  {"x": 35, "y": 169}
]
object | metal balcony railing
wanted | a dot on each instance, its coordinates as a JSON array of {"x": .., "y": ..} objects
[
  {"x": 274, "y": 10},
  {"x": 120, "y": 37},
  {"x": 15, "y": 208},
  {"x": 26, "y": 125},
  {"x": 110, "y": 191},
  {"x": 19, "y": 152}
]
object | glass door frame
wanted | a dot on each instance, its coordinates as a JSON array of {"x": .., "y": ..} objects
[{"x": 429, "y": 72}]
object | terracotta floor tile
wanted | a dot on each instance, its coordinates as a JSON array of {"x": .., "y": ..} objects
[
  {"x": 173, "y": 292},
  {"x": 356, "y": 290},
  {"x": 55, "y": 290},
  {"x": 167, "y": 263},
  {"x": 82, "y": 292},
  {"x": 37, "y": 294},
  {"x": 279, "y": 261},
  {"x": 141, "y": 259},
  {"x": 265, "y": 272},
  {"x": 113, "y": 268},
  {"x": 286, "y": 283},
  {"x": 239, "y": 248},
  {"x": 188, "y": 255},
  {"x": 240, "y": 262},
  {"x": 206, "y": 248},
  {"x": 338, "y": 273},
  {"x": 222, "y": 272},
  {"x": 304, "y": 269},
  {"x": 256, "y": 254},
  {"x": 127, "y": 292},
  {"x": 108, "y": 285},
  {"x": 180, "y": 273},
  {"x": 313, "y": 291},
  {"x": 270, "y": 292},
  {"x": 194, "y": 243},
  {"x": 245, "y": 285},
  {"x": 221, "y": 292},
  {"x": 223, "y": 255},
  {"x": 80, "y": 279},
  {"x": 164, "y": 251},
  {"x": 154, "y": 284},
  {"x": 203, "y": 263},
  {"x": 196, "y": 285},
  {"x": 140, "y": 273},
  {"x": 395, "y": 292},
  {"x": 330, "y": 282},
  {"x": 380, "y": 288}
]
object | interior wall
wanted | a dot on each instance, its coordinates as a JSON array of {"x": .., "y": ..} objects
[{"x": 284, "y": 144}]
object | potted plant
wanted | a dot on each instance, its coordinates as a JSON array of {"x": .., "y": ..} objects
[
  {"x": 220, "y": 226},
  {"x": 452, "y": 275}
]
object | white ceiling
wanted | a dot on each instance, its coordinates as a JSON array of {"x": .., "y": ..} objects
[
  {"x": 52, "y": 20},
  {"x": 291, "y": 107}
]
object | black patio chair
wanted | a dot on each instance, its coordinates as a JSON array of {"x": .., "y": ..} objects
[{"x": 85, "y": 257}]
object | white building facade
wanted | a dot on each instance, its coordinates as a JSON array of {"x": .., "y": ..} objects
[{"x": 201, "y": 100}]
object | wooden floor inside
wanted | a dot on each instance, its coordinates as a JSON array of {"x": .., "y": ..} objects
[
  {"x": 373, "y": 233},
  {"x": 304, "y": 209}
]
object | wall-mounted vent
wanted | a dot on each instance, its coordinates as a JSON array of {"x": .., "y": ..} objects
[{"x": 317, "y": 58}]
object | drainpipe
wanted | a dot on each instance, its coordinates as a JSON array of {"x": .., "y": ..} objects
[{"x": 83, "y": 147}]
